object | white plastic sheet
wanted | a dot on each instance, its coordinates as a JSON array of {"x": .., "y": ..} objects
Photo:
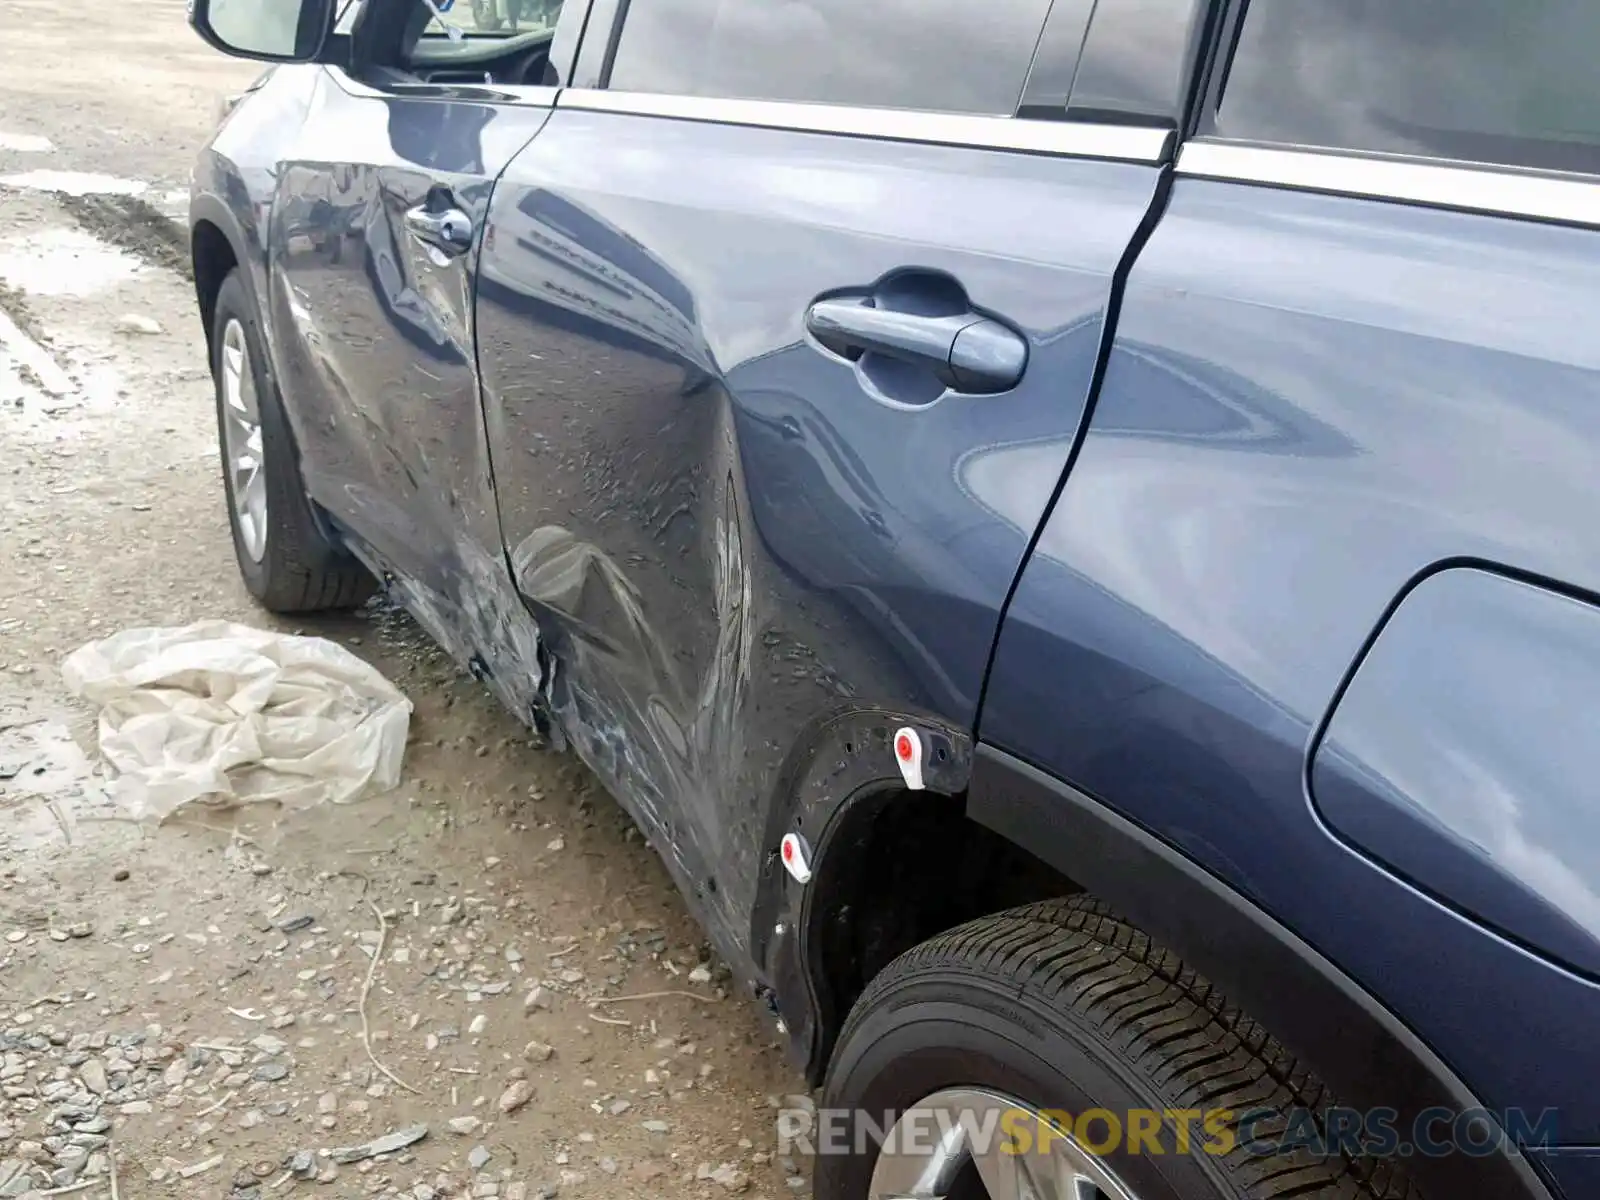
[{"x": 226, "y": 714}]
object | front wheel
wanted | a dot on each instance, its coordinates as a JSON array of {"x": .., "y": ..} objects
[
  {"x": 286, "y": 558},
  {"x": 1054, "y": 1051}
]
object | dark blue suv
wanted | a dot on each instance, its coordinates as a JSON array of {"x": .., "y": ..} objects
[{"x": 1073, "y": 527}]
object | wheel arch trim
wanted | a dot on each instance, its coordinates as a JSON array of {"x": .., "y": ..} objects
[
  {"x": 838, "y": 766},
  {"x": 206, "y": 208},
  {"x": 1367, "y": 1056}
]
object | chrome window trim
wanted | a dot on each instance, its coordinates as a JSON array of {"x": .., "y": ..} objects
[
  {"x": 1574, "y": 199},
  {"x": 1078, "y": 139}
]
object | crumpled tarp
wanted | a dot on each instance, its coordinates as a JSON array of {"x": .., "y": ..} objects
[{"x": 227, "y": 715}]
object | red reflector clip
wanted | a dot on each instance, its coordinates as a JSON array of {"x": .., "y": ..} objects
[
  {"x": 908, "y": 753},
  {"x": 796, "y": 857}
]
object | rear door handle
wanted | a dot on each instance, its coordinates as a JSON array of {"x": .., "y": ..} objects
[
  {"x": 449, "y": 230},
  {"x": 967, "y": 351}
]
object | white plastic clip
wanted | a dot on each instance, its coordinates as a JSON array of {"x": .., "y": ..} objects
[
  {"x": 796, "y": 857},
  {"x": 908, "y": 753}
]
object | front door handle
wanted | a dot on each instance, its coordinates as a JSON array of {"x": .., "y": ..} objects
[
  {"x": 449, "y": 230},
  {"x": 967, "y": 351}
]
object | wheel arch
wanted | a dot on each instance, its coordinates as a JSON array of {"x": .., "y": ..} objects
[
  {"x": 1365, "y": 1054},
  {"x": 216, "y": 247},
  {"x": 890, "y": 867}
]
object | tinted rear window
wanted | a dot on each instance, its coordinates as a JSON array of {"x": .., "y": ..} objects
[
  {"x": 1482, "y": 80},
  {"x": 941, "y": 55}
]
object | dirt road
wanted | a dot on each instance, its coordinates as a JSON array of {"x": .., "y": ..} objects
[{"x": 182, "y": 1006}]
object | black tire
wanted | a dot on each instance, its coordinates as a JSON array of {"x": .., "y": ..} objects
[
  {"x": 301, "y": 569},
  {"x": 1063, "y": 1005}
]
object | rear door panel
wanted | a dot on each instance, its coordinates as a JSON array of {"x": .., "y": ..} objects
[
  {"x": 726, "y": 532},
  {"x": 1310, "y": 401}
]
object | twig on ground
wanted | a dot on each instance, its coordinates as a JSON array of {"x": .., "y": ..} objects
[
  {"x": 609, "y": 1020},
  {"x": 366, "y": 988},
  {"x": 656, "y": 996},
  {"x": 205, "y": 1112},
  {"x": 84, "y": 1186},
  {"x": 111, "y": 1153}
]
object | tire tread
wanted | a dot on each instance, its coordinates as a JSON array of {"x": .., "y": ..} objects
[{"x": 1169, "y": 1023}]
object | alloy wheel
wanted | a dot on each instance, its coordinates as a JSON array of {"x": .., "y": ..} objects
[
  {"x": 964, "y": 1144},
  {"x": 241, "y": 441}
]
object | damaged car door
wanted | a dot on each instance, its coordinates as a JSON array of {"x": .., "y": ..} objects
[
  {"x": 377, "y": 217},
  {"x": 784, "y": 349}
]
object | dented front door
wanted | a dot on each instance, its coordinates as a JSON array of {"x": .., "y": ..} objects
[{"x": 378, "y": 221}]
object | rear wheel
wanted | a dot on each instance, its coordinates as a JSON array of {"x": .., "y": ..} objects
[
  {"x": 287, "y": 560},
  {"x": 1013, "y": 1057}
]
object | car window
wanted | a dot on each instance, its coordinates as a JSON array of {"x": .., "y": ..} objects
[
  {"x": 1136, "y": 59},
  {"x": 492, "y": 18},
  {"x": 1480, "y": 80},
  {"x": 938, "y": 55}
]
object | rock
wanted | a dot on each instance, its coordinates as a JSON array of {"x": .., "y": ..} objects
[
  {"x": 647, "y": 1172},
  {"x": 701, "y": 974},
  {"x": 137, "y": 323},
  {"x": 327, "y": 1103},
  {"x": 302, "y": 1162},
  {"x": 201, "y": 1167},
  {"x": 271, "y": 1072},
  {"x": 267, "y": 1044},
  {"x": 296, "y": 924},
  {"x": 515, "y": 1096},
  {"x": 537, "y": 1051},
  {"x": 726, "y": 1175},
  {"x": 618, "y": 1107},
  {"x": 79, "y": 929},
  {"x": 136, "y": 1108},
  {"x": 478, "y": 1158},
  {"x": 387, "y": 1144},
  {"x": 478, "y": 1025},
  {"x": 536, "y": 1000},
  {"x": 463, "y": 1126},
  {"x": 657, "y": 1127},
  {"x": 93, "y": 1074}
]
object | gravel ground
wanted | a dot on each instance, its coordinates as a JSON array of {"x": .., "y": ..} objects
[{"x": 182, "y": 1008}]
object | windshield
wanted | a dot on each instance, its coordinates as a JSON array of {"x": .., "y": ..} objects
[{"x": 492, "y": 18}]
